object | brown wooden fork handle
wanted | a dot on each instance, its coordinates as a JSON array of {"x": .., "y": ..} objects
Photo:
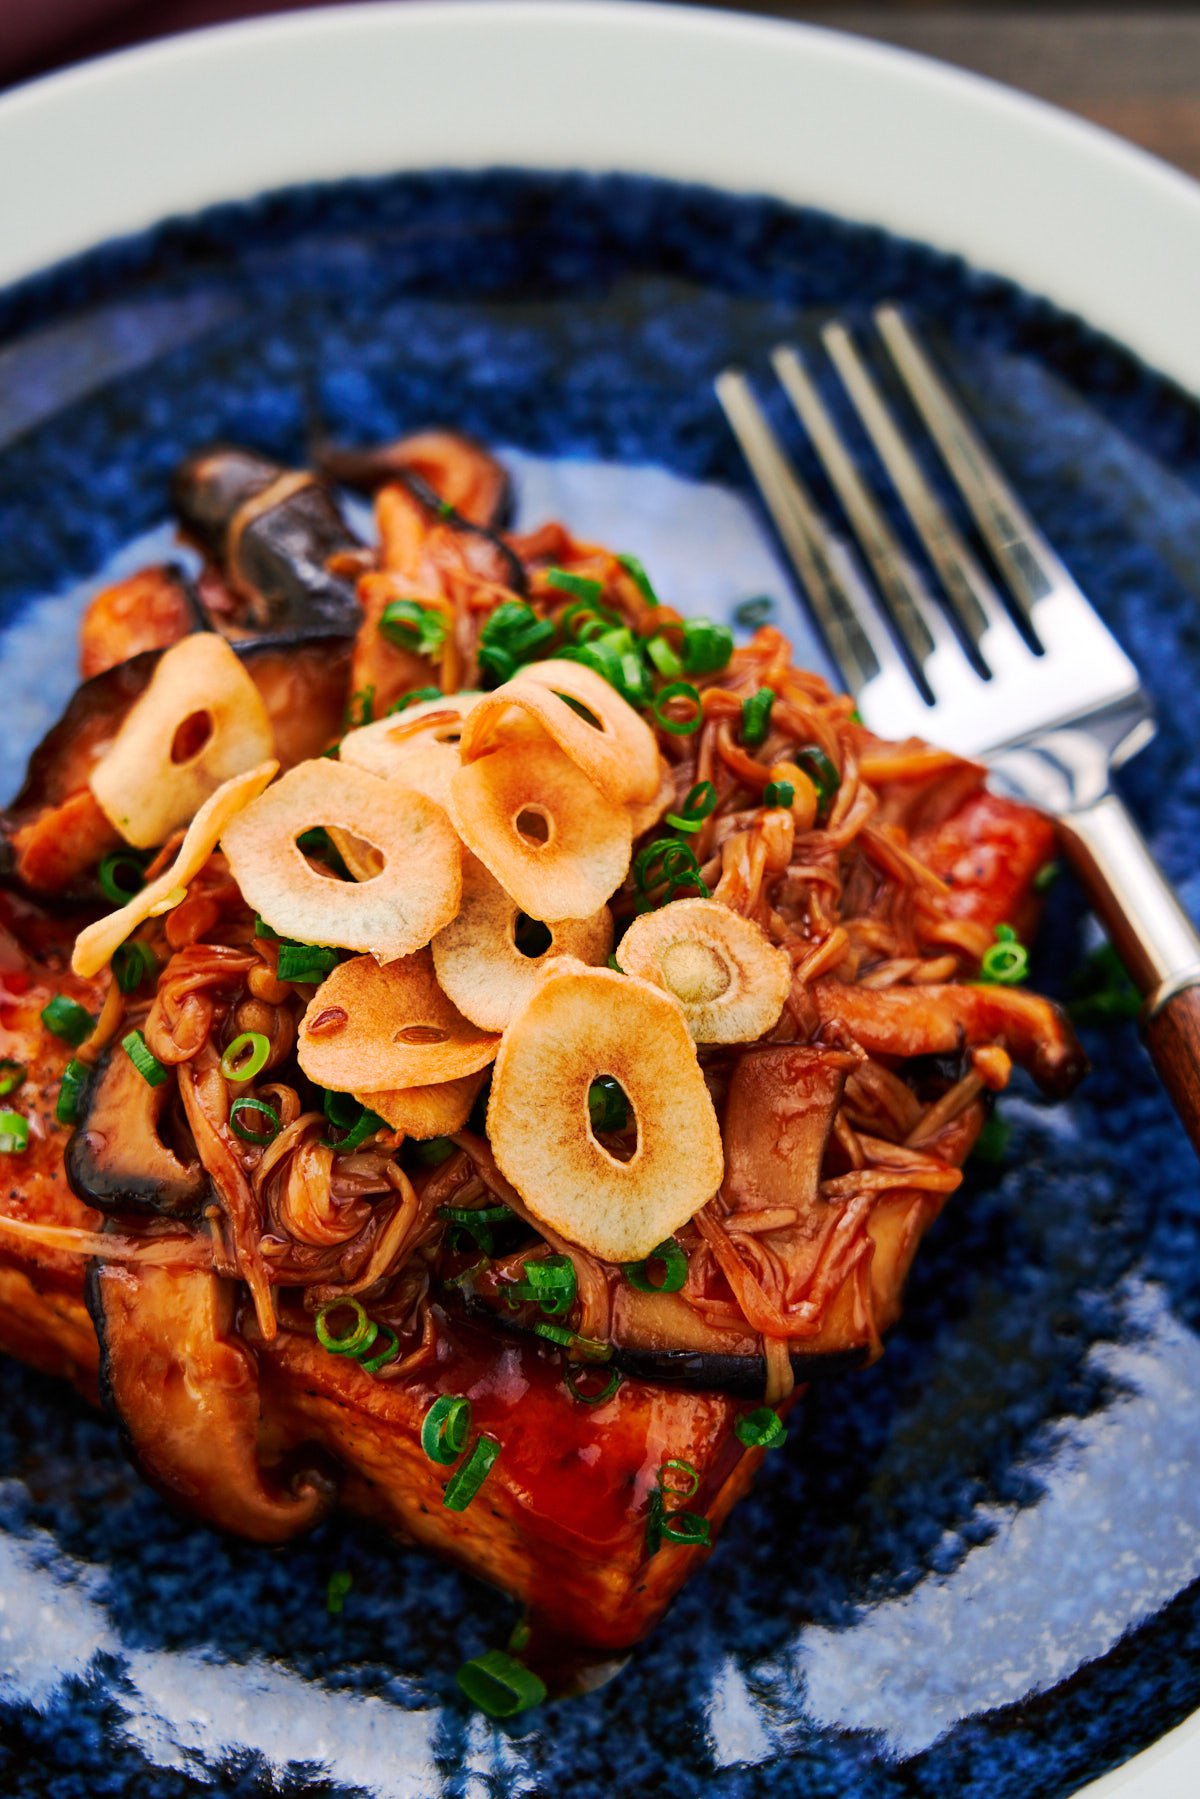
[{"x": 1172, "y": 1033}]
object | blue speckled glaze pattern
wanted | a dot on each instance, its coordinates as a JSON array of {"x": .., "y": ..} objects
[{"x": 972, "y": 1573}]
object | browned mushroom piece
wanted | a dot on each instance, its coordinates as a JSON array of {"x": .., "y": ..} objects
[{"x": 117, "y": 1159}]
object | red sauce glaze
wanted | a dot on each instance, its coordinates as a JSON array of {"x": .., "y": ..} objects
[{"x": 989, "y": 851}]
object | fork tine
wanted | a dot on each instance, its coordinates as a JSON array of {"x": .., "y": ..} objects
[
  {"x": 913, "y": 614},
  {"x": 972, "y": 598},
  {"x": 1026, "y": 560},
  {"x": 845, "y": 608}
]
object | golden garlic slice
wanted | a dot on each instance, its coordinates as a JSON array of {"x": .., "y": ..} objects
[
  {"x": 200, "y": 721},
  {"x": 97, "y": 942},
  {"x": 554, "y": 843},
  {"x": 391, "y": 913},
  {"x": 477, "y": 958},
  {"x": 416, "y": 748},
  {"x": 730, "y": 981},
  {"x": 369, "y": 1029},
  {"x": 424, "y": 1112},
  {"x": 613, "y": 746},
  {"x": 582, "y": 1023}
]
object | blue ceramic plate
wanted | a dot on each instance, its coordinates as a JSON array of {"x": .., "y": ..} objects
[{"x": 972, "y": 1572}]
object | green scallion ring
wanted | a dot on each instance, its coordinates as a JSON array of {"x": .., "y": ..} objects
[
  {"x": 778, "y": 793},
  {"x": 500, "y": 1685},
  {"x": 554, "y": 1333},
  {"x": 306, "y": 962},
  {"x": 571, "y": 1378},
  {"x": 12, "y": 1076},
  {"x": 608, "y": 1108},
  {"x": 674, "y": 1264},
  {"x": 691, "y": 881},
  {"x": 706, "y": 646},
  {"x": 243, "y": 1109},
  {"x": 67, "y": 1019},
  {"x": 679, "y": 690},
  {"x": 434, "y": 1151},
  {"x": 664, "y": 658},
  {"x": 341, "y": 1109},
  {"x": 639, "y": 577},
  {"x": 1004, "y": 964},
  {"x": 700, "y": 804},
  {"x": 246, "y": 1056},
  {"x": 821, "y": 771},
  {"x": 584, "y": 587},
  {"x": 756, "y": 717},
  {"x": 14, "y": 1134},
  {"x": 688, "y": 1528},
  {"x": 364, "y": 1126},
  {"x": 664, "y": 859},
  {"x": 70, "y": 1095},
  {"x": 358, "y": 1337},
  {"x": 374, "y": 1363},
  {"x": 132, "y": 962},
  {"x": 690, "y": 1477},
  {"x": 762, "y": 1429},
  {"x": 413, "y": 694},
  {"x": 109, "y": 874},
  {"x": 152, "y": 1071},
  {"x": 445, "y": 1429},
  {"x": 463, "y": 1485}
]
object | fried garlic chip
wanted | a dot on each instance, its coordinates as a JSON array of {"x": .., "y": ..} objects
[
  {"x": 424, "y": 1112},
  {"x": 200, "y": 721},
  {"x": 729, "y": 980},
  {"x": 370, "y": 1029},
  {"x": 607, "y": 740},
  {"x": 416, "y": 748},
  {"x": 97, "y": 943},
  {"x": 391, "y": 913},
  {"x": 581, "y": 1024},
  {"x": 645, "y": 814},
  {"x": 478, "y": 958},
  {"x": 554, "y": 843}
]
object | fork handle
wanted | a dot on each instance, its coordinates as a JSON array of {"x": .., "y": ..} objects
[{"x": 1152, "y": 934}]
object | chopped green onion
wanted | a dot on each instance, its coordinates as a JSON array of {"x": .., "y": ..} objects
[
  {"x": 586, "y": 616},
  {"x": 700, "y": 804},
  {"x": 615, "y": 656},
  {"x": 821, "y": 771},
  {"x": 131, "y": 963},
  {"x": 668, "y": 664},
  {"x": 550, "y": 1283},
  {"x": 477, "y": 1221},
  {"x": 499, "y": 1685},
  {"x": 360, "y": 710},
  {"x": 691, "y": 881},
  {"x": 246, "y": 1056},
  {"x": 365, "y": 1125},
  {"x": 68, "y": 1020},
  {"x": 666, "y": 859},
  {"x": 411, "y": 626},
  {"x": 144, "y": 1060},
  {"x": 686, "y": 1527},
  {"x": 305, "y": 962},
  {"x": 706, "y": 646},
  {"x": 264, "y": 930},
  {"x": 376, "y": 1362},
  {"x": 674, "y": 1266},
  {"x": 414, "y": 694},
  {"x": 1046, "y": 876},
  {"x": 341, "y": 1109},
  {"x": 608, "y": 1107},
  {"x": 14, "y": 1134},
  {"x": 691, "y": 1480},
  {"x": 654, "y": 1523},
  {"x": 360, "y": 1334},
  {"x": 756, "y": 717},
  {"x": 585, "y": 1349},
  {"x": 335, "y": 1594},
  {"x": 512, "y": 636},
  {"x": 779, "y": 793},
  {"x": 70, "y": 1094},
  {"x": 445, "y": 1429},
  {"x": 639, "y": 577},
  {"x": 762, "y": 1429},
  {"x": 109, "y": 873},
  {"x": 521, "y": 1634},
  {"x": 1102, "y": 990},
  {"x": 1007, "y": 961},
  {"x": 12, "y": 1074},
  {"x": 243, "y": 1110},
  {"x": 582, "y": 586},
  {"x": 434, "y": 1151},
  {"x": 462, "y": 1486},
  {"x": 615, "y": 965},
  {"x": 991, "y": 1144},
  {"x": 679, "y": 690},
  {"x": 573, "y": 1374},
  {"x": 856, "y": 717},
  {"x": 750, "y": 614}
]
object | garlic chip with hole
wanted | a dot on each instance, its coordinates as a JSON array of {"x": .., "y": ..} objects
[
  {"x": 199, "y": 721},
  {"x": 588, "y": 719},
  {"x": 582, "y": 1023},
  {"x": 554, "y": 843},
  {"x": 369, "y": 1029},
  {"x": 730, "y": 981},
  {"x": 416, "y": 748},
  {"x": 391, "y": 913},
  {"x": 97, "y": 943},
  {"x": 483, "y": 965},
  {"x": 424, "y": 1112}
]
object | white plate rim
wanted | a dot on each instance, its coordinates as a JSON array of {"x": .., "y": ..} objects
[{"x": 813, "y": 116}]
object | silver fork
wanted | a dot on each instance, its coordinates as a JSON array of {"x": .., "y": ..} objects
[{"x": 1037, "y": 687}]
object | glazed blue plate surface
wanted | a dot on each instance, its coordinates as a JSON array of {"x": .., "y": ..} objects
[{"x": 973, "y": 1569}]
